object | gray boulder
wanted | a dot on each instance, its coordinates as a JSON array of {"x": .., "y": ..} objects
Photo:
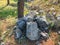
[
  {"x": 17, "y": 33},
  {"x": 32, "y": 31}
]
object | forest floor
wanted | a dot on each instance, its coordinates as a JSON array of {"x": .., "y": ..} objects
[
  {"x": 8, "y": 19},
  {"x": 6, "y": 27}
]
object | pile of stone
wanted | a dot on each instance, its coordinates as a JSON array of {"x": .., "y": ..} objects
[{"x": 33, "y": 27}]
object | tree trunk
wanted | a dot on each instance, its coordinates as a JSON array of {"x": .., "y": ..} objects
[
  {"x": 8, "y": 2},
  {"x": 20, "y": 8}
]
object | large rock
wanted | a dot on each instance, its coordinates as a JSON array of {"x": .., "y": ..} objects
[
  {"x": 32, "y": 31},
  {"x": 21, "y": 23},
  {"x": 17, "y": 33},
  {"x": 42, "y": 24}
]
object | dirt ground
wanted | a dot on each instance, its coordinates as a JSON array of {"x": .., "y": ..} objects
[{"x": 51, "y": 41}]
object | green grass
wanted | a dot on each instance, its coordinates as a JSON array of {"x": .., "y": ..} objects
[
  {"x": 11, "y": 9},
  {"x": 8, "y": 10}
]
